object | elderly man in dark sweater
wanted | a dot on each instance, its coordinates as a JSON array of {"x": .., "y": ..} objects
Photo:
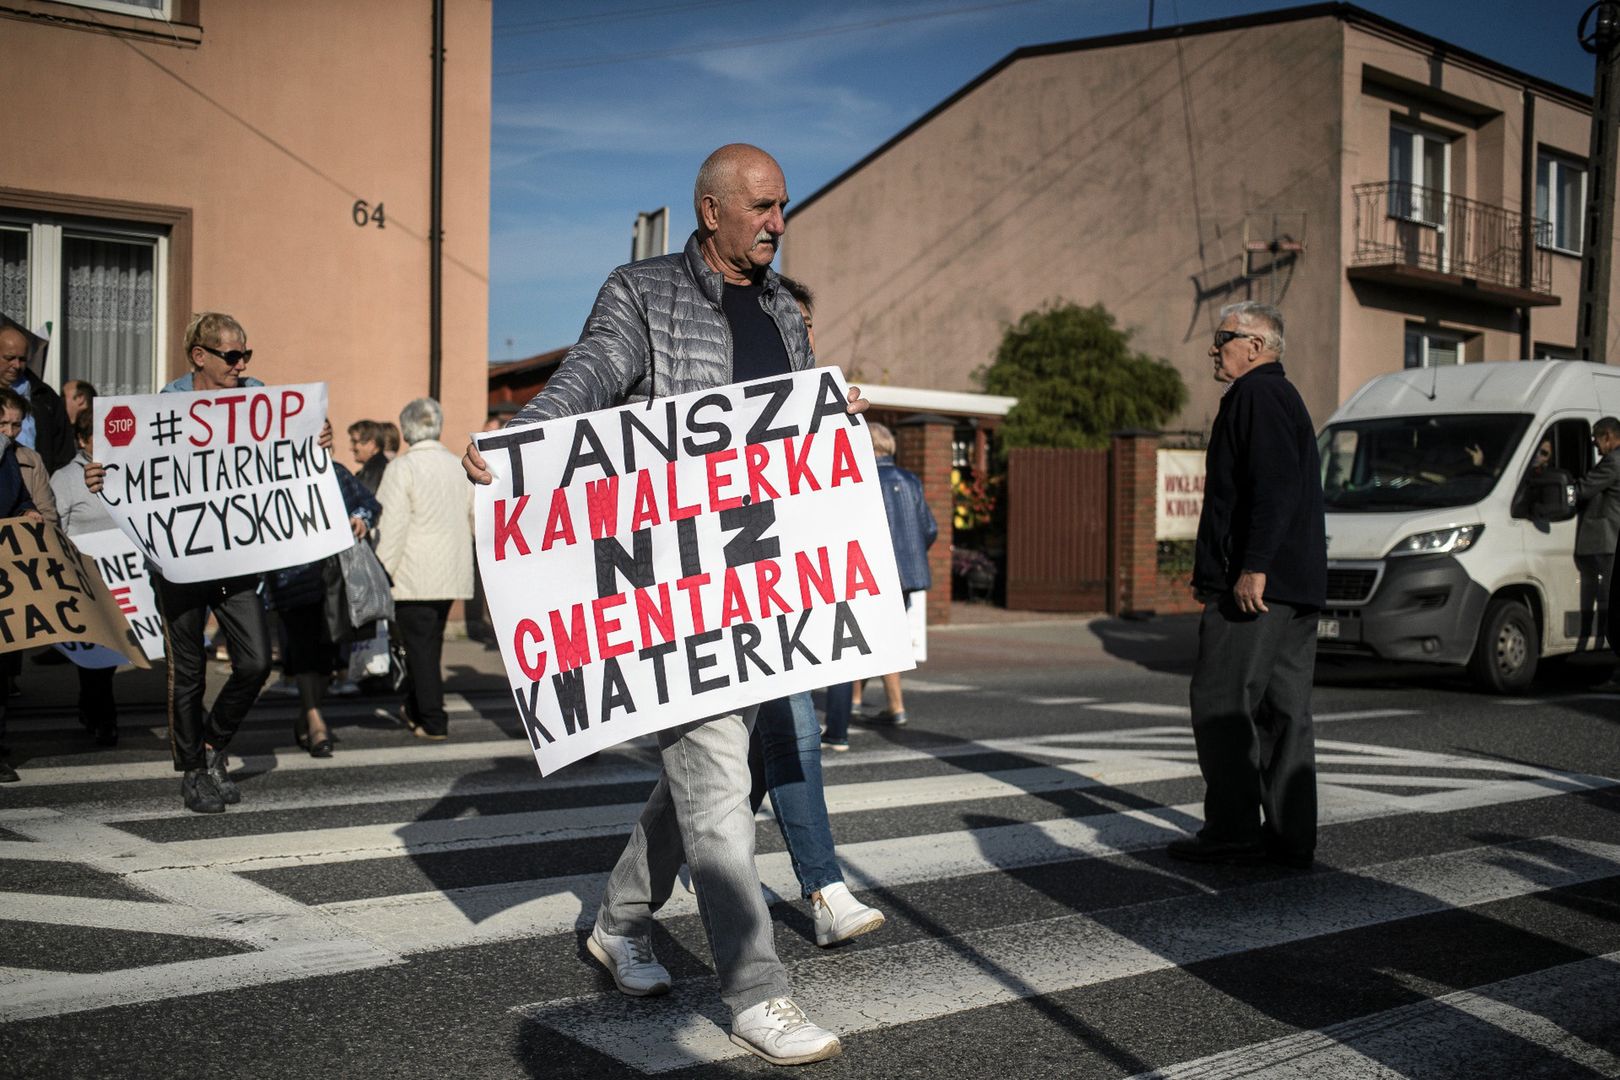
[{"x": 1260, "y": 568}]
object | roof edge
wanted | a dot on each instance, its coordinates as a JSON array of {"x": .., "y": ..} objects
[{"x": 1345, "y": 12}]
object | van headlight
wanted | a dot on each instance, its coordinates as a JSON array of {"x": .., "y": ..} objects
[{"x": 1452, "y": 541}]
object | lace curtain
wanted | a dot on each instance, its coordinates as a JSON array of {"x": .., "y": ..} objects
[
  {"x": 14, "y": 275},
  {"x": 107, "y": 314}
]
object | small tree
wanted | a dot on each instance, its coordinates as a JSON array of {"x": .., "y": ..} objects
[{"x": 1076, "y": 380}]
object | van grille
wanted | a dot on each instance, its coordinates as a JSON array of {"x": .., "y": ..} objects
[{"x": 1352, "y": 583}]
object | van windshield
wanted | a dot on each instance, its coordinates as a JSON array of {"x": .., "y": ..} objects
[{"x": 1416, "y": 462}]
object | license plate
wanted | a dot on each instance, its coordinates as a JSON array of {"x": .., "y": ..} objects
[{"x": 1327, "y": 628}]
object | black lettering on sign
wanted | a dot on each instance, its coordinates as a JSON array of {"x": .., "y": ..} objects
[
  {"x": 745, "y": 641},
  {"x": 779, "y": 391},
  {"x": 829, "y": 402},
  {"x": 656, "y": 654},
  {"x": 579, "y": 456},
  {"x": 749, "y": 522},
  {"x": 717, "y": 428},
  {"x": 696, "y": 663},
  {"x": 513, "y": 443},
  {"x": 569, "y": 687},
  {"x": 686, "y": 538},
  {"x": 666, "y": 449},
  {"x": 790, "y": 640},
  {"x": 615, "y": 692},
  {"x": 847, "y": 632},
  {"x": 612, "y": 560},
  {"x": 531, "y": 722}
]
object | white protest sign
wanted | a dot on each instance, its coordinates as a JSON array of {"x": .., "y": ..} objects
[
  {"x": 668, "y": 561},
  {"x": 1181, "y": 494},
  {"x": 221, "y": 483},
  {"x": 123, "y": 569}
]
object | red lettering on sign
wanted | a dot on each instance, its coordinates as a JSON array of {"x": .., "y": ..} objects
[
  {"x": 533, "y": 665},
  {"x": 559, "y": 522},
  {"x": 759, "y": 456},
  {"x": 606, "y": 626},
  {"x": 844, "y": 459},
  {"x": 507, "y": 530},
  {"x": 810, "y": 579},
  {"x": 858, "y": 575},
  {"x": 719, "y": 482},
  {"x": 799, "y": 467},
  {"x": 292, "y": 403},
  {"x": 125, "y": 604},
  {"x": 570, "y": 643}
]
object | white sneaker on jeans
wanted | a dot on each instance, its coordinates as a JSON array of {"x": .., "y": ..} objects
[
  {"x": 780, "y": 1033},
  {"x": 630, "y": 961},
  {"x": 839, "y": 916}
]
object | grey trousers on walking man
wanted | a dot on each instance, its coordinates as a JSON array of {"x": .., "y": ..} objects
[
  {"x": 700, "y": 812},
  {"x": 1251, "y": 719}
]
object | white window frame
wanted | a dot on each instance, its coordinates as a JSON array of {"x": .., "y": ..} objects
[
  {"x": 164, "y": 12},
  {"x": 44, "y": 314},
  {"x": 1418, "y": 136},
  {"x": 1428, "y": 334},
  {"x": 1548, "y": 238}
]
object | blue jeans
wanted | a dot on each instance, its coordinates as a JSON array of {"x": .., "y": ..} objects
[
  {"x": 840, "y": 702},
  {"x": 790, "y": 750},
  {"x": 699, "y": 810}
]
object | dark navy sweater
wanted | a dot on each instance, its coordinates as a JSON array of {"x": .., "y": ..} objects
[{"x": 1263, "y": 493}]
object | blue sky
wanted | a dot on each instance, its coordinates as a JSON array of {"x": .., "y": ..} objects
[{"x": 603, "y": 108}]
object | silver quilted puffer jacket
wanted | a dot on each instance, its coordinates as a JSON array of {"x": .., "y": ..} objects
[{"x": 657, "y": 330}]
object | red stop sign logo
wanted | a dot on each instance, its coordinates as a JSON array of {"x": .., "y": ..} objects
[{"x": 120, "y": 425}]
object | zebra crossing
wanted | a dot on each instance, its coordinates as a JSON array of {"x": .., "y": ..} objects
[{"x": 392, "y": 853}]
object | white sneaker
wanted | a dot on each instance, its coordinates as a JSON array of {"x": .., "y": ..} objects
[
  {"x": 839, "y": 916},
  {"x": 780, "y": 1033},
  {"x": 630, "y": 961}
]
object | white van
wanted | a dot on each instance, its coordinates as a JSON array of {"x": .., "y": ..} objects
[{"x": 1447, "y": 543}]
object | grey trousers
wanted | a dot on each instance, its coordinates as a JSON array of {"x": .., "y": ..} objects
[
  {"x": 700, "y": 811},
  {"x": 1251, "y": 717}
]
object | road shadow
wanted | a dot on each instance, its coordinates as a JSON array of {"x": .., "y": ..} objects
[{"x": 1167, "y": 643}]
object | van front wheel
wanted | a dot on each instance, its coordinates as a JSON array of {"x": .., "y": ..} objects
[{"x": 1504, "y": 660}]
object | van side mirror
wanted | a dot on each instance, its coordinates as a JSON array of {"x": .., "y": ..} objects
[{"x": 1548, "y": 497}]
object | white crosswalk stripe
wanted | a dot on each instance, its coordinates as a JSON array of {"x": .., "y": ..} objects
[{"x": 361, "y": 854}]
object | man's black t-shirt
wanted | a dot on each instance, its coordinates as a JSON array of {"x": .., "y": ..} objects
[{"x": 757, "y": 350}]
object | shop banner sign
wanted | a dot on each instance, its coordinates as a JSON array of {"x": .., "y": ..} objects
[
  {"x": 1181, "y": 494},
  {"x": 682, "y": 558}
]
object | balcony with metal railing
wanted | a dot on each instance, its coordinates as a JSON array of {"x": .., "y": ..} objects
[{"x": 1426, "y": 238}]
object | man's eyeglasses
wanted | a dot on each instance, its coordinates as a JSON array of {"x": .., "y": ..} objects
[
  {"x": 234, "y": 357},
  {"x": 1223, "y": 336}
]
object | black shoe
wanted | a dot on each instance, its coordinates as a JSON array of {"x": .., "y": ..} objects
[
  {"x": 321, "y": 747},
  {"x": 200, "y": 795},
  {"x": 219, "y": 763},
  {"x": 8, "y": 775},
  {"x": 1196, "y": 849},
  {"x": 107, "y": 736}
]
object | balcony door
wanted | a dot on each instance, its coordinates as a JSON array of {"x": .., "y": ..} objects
[{"x": 1420, "y": 183}]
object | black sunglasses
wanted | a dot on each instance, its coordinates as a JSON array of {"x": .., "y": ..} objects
[
  {"x": 1223, "y": 336},
  {"x": 234, "y": 357}
]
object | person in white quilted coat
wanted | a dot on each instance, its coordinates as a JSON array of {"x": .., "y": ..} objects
[{"x": 425, "y": 542}]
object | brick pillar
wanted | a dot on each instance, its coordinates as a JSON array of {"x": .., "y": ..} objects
[
  {"x": 1134, "y": 481},
  {"x": 923, "y": 445}
]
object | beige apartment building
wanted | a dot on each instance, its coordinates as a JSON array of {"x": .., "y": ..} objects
[
  {"x": 1406, "y": 203},
  {"x": 269, "y": 158}
]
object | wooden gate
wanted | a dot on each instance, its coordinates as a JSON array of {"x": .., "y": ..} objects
[{"x": 1057, "y": 531}]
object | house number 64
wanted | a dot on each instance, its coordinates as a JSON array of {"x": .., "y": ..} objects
[{"x": 364, "y": 214}]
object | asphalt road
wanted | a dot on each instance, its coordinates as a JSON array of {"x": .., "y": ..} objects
[{"x": 414, "y": 910}]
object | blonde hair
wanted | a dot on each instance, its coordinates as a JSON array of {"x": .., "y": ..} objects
[
  {"x": 882, "y": 440},
  {"x": 207, "y": 327}
]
